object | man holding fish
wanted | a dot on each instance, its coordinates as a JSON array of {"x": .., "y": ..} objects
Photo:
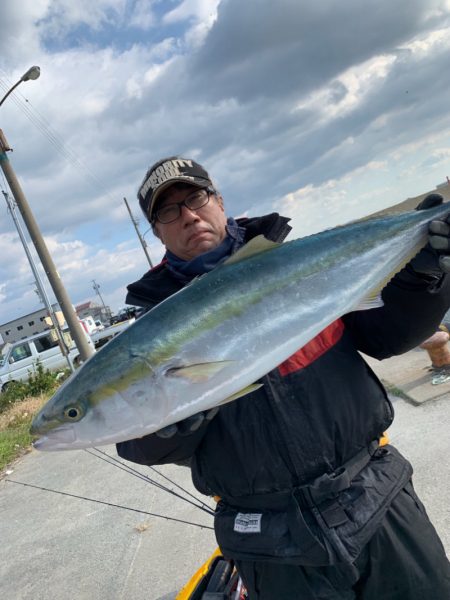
[
  {"x": 247, "y": 367},
  {"x": 314, "y": 503}
]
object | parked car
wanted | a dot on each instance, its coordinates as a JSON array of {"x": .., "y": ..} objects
[
  {"x": 18, "y": 360},
  {"x": 124, "y": 314},
  {"x": 100, "y": 337}
]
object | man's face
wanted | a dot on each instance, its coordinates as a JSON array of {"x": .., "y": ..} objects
[{"x": 194, "y": 232}]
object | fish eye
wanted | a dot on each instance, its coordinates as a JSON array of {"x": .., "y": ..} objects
[{"x": 73, "y": 413}]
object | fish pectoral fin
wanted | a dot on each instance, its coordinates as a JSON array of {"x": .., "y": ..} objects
[
  {"x": 199, "y": 372},
  {"x": 256, "y": 245},
  {"x": 247, "y": 390}
]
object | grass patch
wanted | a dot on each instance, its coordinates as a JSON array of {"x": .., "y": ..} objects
[
  {"x": 18, "y": 404},
  {"x": 42, "y": 381},
  {"x": 15, "y": 422}
]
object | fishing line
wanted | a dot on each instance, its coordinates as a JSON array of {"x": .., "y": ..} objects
[
  {"x": 123, "y": 467},
  {"x": 179, "y": 487},
  {"x": 143, "y": 512},
  {"x": 137, "y": 473}
]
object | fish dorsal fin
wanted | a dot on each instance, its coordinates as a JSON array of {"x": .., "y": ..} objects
[
  {"x": 374, "y": 300},
  {"x": 404, "y": 206},
  {"x": 255, "y": 246}
]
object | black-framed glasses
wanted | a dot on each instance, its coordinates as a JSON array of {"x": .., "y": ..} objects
[{"x": 171, "y": 212}]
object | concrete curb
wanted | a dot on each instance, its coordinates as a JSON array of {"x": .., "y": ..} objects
[{"x": 410, "y": 377}]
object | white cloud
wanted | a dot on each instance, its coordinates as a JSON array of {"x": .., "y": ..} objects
[
  {"x": 365, "y": 190},
  {"x": 201, "y": 14},
  {"x": 433, "y": 40},
  {"x": 20, "y": 39},
  {"x": 62, "y": 15},
  {"x": 344, "y": 93},
  {"x": 200, "y": 10},
  {"x": 142, "y": 15},
  {"x": 289, "y": 112}
]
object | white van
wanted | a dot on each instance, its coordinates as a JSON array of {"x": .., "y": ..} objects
[{"x": 18, "y": 360}]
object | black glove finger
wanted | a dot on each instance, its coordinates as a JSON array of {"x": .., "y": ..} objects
[
  {"x": 191, "y": 424},
  {"x": 430, "y": 201},
  {"x": 188, "y": 425},
  {"x": 212, "y": 413},
  {"x": 167, "y": 432},
  {"x": 440, "y": 243},
  {"x": 439, "y": 227},
  {"x": 426, "y": 262},
  {"x": 444, "y": 263}
]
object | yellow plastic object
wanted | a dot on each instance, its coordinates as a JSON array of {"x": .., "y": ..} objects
[
  {"x": 384, "y": 439},
  {"x": 191, "y": 585}
]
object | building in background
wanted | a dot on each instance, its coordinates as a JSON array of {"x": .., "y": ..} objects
[
  {"x": 38, "y": 321},
  {"x": 30, "y": 324},
  {"x": 94, "y": 310}
]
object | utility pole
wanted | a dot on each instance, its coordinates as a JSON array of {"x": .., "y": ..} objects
[
  {"x": 96, "y": 288},
  {"x": 58, "y": 288},
  {"x": 106, "y": 311},
  {"x": 141, "y": 239},
  {"x": 41, "y": 292}
]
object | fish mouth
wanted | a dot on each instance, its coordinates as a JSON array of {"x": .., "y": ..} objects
[{"x": 56, "y": 439}]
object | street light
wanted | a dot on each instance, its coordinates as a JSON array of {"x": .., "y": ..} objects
[
  {"x": 78, "y": 336},
  {"x": 32, "y": 73}
]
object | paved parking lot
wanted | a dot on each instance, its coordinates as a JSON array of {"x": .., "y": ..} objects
[{"x": 55, "y": 546}]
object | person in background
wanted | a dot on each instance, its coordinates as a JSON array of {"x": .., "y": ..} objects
[{"x": 311, "y": 505}]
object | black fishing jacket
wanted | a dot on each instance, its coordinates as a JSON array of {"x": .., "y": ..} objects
[{"x": 315, "y": 412}]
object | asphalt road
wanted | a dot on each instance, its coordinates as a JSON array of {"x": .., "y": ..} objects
[{"x": 58, "y": 547}]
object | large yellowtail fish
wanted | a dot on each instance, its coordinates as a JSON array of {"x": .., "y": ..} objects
[{"x": 208, "y": 344}]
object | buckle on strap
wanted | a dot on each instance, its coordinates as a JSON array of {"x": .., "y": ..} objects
[
  {"x": 329, "y": 485},
  {"x": 322, "y": 491}
]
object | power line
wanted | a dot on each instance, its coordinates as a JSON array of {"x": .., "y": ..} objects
[
  {"x": 52, "y": 136},
  {"x": 55, "y": 140}
]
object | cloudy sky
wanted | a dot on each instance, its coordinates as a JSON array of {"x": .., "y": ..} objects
[{"x": 323, "y": 111}]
